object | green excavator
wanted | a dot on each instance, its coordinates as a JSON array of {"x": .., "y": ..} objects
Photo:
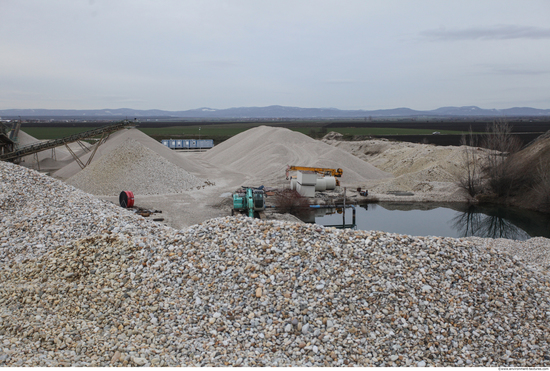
[{"x": 248, "y": 200}]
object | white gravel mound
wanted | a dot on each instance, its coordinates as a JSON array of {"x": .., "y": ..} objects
[
  {"x": 133, "y": 167},
  {"x": 264, "y": 153},
  {"x": 86, "y": 283}
]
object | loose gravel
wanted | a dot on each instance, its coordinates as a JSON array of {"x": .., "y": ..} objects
[{"x": 86, "y": 283}]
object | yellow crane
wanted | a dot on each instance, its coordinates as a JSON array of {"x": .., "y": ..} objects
[{"x": 337, "y": 173}]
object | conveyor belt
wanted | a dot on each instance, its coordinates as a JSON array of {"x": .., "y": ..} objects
[{"x": 42, "y": 146}]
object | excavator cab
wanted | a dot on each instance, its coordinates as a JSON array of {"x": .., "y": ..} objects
[{"x": 248, "y": 200}]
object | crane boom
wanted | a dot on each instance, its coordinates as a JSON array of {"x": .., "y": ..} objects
[{"x": 319, "y": 170}]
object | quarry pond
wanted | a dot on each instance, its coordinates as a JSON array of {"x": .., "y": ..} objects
[{"x": 438, "y": 219}]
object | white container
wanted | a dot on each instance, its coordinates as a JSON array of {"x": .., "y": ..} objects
[
  {"x": 293, "y": 182},
  {"x": 306, "y": 190},
  {"x": 330, "y": 182},
  {"x": 321, "y": 185},
  {"x": 307, "y": 178}
]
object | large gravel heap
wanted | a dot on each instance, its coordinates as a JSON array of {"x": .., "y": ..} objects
[
  {"x": 132, "y": 166},
  {"x": 85, "y": 283},
  {"x": 264, "y": 152},
  {"x": 418, "y": 168}
]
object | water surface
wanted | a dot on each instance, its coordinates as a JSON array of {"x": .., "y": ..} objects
[{"x": 440, "y": 219}]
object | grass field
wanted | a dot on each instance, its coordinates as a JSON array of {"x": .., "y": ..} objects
[
  {"x": 54, "y": 132},
  {"x": 222, "y": 132}
]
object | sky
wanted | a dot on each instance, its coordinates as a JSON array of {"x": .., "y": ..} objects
[{"x": 346, "y": 54}]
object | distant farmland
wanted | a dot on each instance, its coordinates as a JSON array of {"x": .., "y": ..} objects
[{"x": 393, "y": 129}]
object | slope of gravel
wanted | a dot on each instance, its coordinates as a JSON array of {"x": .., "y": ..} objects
[
  {"x": 85, "y": 283},
  {"x": 418, "y": 168},
  {"x": 264, "y": 153},
  {"x": 133, "y": 167},
  {"x": 117, "y": 139}
]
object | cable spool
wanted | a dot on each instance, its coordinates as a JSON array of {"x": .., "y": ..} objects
[{"x": 126, "y": 199}]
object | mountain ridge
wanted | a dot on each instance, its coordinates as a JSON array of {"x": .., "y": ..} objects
[{"x": 276, "y": 111}]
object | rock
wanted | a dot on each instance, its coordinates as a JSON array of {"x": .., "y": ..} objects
[
  {"x": 139, "y": 361},
  {"x": 116, "y": 357}
]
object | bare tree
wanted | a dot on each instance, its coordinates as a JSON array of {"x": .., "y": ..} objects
[{"x": 471, "y": 180}]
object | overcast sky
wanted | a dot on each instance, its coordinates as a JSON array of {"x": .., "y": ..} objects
[{"x": 355, "y": 54}]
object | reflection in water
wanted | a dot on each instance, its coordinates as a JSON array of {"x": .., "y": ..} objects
[
  {"x": 440, "y": 219},
  {"x": 475, "y": 223}
]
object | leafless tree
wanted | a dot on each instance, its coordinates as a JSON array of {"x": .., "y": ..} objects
[{"x": 471, "y": 180}]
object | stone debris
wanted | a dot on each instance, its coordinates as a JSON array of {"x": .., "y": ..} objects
[{"x": 86, "y": 283}]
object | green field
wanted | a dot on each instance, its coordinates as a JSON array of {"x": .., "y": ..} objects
[
  {"x": 381, "y": 131},
  {"x": 222, "y": 132},
  {"x": 193, "y": 131},
  {"x": 53, "y": 133}
]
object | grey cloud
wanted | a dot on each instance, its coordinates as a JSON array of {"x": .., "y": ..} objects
[
  {"x": 512, "y": 70},
  {"x": 501, "y": 32},
  {"x": 340, "y": 81},
  {"x": 518, "y": 71},
  {"x": 220, "y": 64}
]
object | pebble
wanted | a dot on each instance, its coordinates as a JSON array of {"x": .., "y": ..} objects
[
  {"x": 116, "y": 357},
  {"x": 73, "y": 291}
]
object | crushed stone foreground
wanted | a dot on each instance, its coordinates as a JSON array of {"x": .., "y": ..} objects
[{"x": 85, "y": 283}]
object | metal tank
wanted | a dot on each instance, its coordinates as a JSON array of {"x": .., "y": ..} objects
[{"x": 330, "y": 182}]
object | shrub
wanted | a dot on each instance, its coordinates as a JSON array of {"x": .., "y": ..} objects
[
  {"x": 505, "y": 174},
  {"x": 290, "y": 201},
  {"x": 542, "y": 186}
]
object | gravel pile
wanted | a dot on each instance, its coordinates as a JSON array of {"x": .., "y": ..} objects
[
  {"x": 264, "y": 152},
  {"x": 117, "y": 139},
  {"x": 431, "y": 172},
  {"x": 85, "y": 283},
  {"x": 132, "y": 166}
]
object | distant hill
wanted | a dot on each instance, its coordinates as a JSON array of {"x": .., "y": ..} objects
[{"x": 277, "y": 112}]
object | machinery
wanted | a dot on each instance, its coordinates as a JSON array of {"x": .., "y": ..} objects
[
  {"x": 248, "y": 200},
  {"x": 337, "y": 173}
]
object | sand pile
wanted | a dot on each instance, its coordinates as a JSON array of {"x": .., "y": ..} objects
[
  {"x": 263, "y": 153},
  {"x": 132, "y": 166}
]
